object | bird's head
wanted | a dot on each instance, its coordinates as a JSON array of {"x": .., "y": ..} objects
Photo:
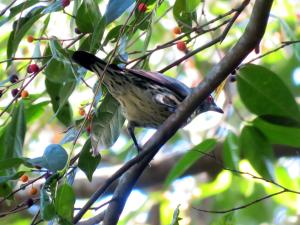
[{"x": 209, "y": 105}]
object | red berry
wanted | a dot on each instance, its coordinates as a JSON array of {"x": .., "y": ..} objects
[
  {"x": 177, "y": 30},
  {"x": 24, "y": 178},
  {"x": 81, "y": 111},
  {"x": 181, "y": 46},
  {"x": 88, "y": 129},
  {"x": 33, "y": 191},
  {"x": 33, "y": 68},
  {"x": 14, "y": 92},
  {"x": 30, "y": 39},
  {"x": 1, "y": 93},
  {"x": 13, "y": 78},
  {"x": 24, "y": 94},
  {"x": 142, "y": 7},
  {"x": 65, "y": 3}
]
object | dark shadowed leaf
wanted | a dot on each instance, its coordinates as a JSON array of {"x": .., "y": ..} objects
[
  {"x": 191, "y": 157},
  {"x": 264, "y": 93},
  {"x": 231, "y": 154},
  {"x": 114, "y": 33},
  {"x": 106, "y": 124},
  {"x": 60, "y": 105},
  {"x": 257, "y": 149},
  {"x": 64, "y": 202},
  {"x": 115, "y": 9},
  {"x": 87, "y": 162}
]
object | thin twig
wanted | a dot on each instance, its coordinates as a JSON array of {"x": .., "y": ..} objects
[
  {"x": 7, "y": 7},
  {"x": 242, "y": 206}
]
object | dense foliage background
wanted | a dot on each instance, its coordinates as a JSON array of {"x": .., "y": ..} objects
[{"x": 242, "y": 167}]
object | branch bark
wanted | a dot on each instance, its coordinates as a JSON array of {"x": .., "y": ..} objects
[{"x": 249, "y": 40}]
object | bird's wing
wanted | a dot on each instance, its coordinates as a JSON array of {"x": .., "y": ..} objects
[
  {"x": 88, "y": 60},
  {"x": 174, "y": 85}
]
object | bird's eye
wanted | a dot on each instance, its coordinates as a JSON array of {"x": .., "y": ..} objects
[{"x": 209, "y": 99}]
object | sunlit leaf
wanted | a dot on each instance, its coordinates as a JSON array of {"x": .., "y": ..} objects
[
  {"x": 191, "y": 157},
  {"x": 64, "y": 202}
]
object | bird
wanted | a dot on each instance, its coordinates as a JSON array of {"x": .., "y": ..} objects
[{"x": 146, "y": 98}]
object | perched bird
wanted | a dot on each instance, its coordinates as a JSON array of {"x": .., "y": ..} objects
[{"x": 147, "y": 99}]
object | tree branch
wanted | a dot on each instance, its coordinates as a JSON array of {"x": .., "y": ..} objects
[{"x": 249, "y": 40}]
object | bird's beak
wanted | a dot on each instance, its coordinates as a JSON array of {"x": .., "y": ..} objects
[{"x": 217, "y": 109}]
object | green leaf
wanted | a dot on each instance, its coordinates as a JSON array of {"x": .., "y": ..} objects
[
  {"x": 17, "y": 9},
  {"x": 15, "y": 133},
  {"x": 106, "y": 124},
  {"x": 60, "y": 105},
  {"x": 59, "y": 72},
  {"x": 34, "y": 111},
  {"x": 20, "y": 27},
  {"x": 183, "y": 13},
  {"x": 191, "y": 5},
  {"x": 54, "y": 158},
  {"x": 58, "y": 52},
  {"x": 46, "y": 206},
  {"x": 256, "y": 148},
  {"x": 11, "y": 162},
  {"x": 15, "y": 176},
  {"x": 176, "y": 218},
  {"x": 222, "y": 183},
  {"x": 114, "y": 33},
  {"x": 191, "y": 157},
  {"x": 231, "y": 155},
  {"x": 227, "y": 219},
  {"x": 64, "y": 202},
  {"x": 87, "y": 162},
  {"x": 278, "y": 134},
  {"x": 115, "y": 9},
  {"x": 97, "y": 36},
  {"x": 263, "y": 93},
  {"x": 87, "y": 16}
]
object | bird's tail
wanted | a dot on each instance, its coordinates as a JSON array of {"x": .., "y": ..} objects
[{"x": 88, "y": 61}]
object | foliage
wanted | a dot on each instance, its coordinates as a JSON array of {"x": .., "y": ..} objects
[{"x": 261, "y": 107}]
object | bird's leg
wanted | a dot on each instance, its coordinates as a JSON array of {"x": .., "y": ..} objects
[{"x": 130, "y": 128}]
